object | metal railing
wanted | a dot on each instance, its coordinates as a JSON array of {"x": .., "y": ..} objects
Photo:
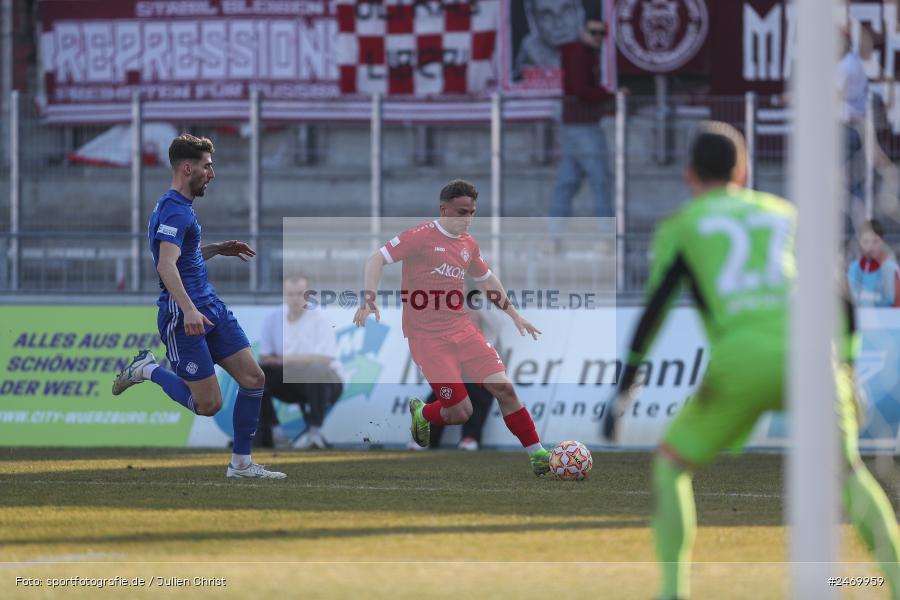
[
  {"x": 66, "y": 263},
  {"x": 649, "y": 142}
]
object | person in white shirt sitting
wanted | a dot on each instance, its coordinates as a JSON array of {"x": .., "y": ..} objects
[{"x": 298, "y": 353}]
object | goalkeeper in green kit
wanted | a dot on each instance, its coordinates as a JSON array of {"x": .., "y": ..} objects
[{"x": 732, "y": 249}]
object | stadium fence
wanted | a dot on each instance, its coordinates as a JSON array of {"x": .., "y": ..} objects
[{"x": 65, "y": 226}]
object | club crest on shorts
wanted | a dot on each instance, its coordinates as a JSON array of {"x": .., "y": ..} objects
[
  {"x": 465, "y": 255},
  {"x": 446, "y": 393},
  {"x": 191, "y": 368}
]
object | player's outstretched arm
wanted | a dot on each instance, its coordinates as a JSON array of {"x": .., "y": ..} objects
[
  {"x": 371, "y": 278},
  {"x": 194, "y": 320},
  {"x": 668, "y": 271},
  {"x": 230, "y": 248},
  {"x": 660, "y": 299},
  {"x": 641, "y": 340},
  {"x": 496, "y": 294}
]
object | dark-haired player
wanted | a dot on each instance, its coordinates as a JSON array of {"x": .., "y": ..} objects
[
  {"x": 732, "y": 248},
  {"x": 443, "y": 340},
  {"x": 194, "y": 324}
]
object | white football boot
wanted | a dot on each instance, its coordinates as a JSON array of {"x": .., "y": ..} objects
[
  {"x": 254, "y": 471},
  {"x": 133, "y": 373}
]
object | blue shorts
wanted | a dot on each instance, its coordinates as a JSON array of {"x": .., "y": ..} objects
[{"x": 192, "y": 356}]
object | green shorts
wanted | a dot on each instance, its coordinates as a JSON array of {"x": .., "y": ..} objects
[{"x": 737, "y": 389}]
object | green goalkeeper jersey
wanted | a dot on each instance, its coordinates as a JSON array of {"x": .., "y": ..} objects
[{"x": 732, "y": 249}]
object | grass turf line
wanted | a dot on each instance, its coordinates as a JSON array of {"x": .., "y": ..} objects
[{"x": 380, "y": 525}]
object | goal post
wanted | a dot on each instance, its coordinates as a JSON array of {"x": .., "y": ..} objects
[{"x": 812, "y": 473}]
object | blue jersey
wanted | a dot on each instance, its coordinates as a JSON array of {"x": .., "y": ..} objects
[{"x": 173, "y": 220}]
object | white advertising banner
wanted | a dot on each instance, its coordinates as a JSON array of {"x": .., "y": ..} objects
[
  {"x": 375, "y": 414},
  {"x": 58, "y": 361}
]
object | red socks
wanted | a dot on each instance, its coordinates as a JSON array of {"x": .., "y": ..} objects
[
  {"x": 521, "y": 426},
  {"x": 519, "y": 423},
  {"x": 432, "y": 413}
]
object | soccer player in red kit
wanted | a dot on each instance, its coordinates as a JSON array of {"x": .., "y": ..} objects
[{"x": 443, "y": 341}]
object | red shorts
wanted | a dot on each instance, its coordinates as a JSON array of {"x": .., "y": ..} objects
[{"x": 446, "y": 359}]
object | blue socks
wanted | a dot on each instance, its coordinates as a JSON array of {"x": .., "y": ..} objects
[
  {"x": 246, "y": 418},
  {"x": 174, "y": 387},
  {"x": 246, "y": 407}
]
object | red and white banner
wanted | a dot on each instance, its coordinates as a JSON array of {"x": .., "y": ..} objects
[
  {"x": 417, "y": 49},
  {"x": 309, "y": 59},
  {"x": 189, "y": 60}
]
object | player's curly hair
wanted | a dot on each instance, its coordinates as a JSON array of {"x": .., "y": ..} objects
[
  {"x": 458, "y": 188},
  {"x": 188, "y": 147}
]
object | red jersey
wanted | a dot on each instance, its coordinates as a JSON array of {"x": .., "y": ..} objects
[{"x": 435, "y": 263}]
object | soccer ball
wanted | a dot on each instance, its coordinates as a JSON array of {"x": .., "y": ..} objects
[{"x": 570, "y": 461}]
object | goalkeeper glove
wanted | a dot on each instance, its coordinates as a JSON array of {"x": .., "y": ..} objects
[{"x": 614, "y": 407}]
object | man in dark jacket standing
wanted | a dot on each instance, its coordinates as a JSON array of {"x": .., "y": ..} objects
[{"x": 582, "y": 143}]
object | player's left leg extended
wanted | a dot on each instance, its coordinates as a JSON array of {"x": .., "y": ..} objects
[
  {"x": 518, "y": 420},
  {"x": 190, "y": 360},
  {"x": 868, "y": 507},
  {"x": 482, "y": 364}
]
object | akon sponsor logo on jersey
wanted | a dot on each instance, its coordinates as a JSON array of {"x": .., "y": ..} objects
[{"x": 450, "y": 271}]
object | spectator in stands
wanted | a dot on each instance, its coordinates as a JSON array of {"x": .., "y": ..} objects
[
  {"x": 583, "y": 148},
  {"x": 874, "y": 279},
  {"x": 551, "y": 23},
  {"x": 853, "y": 85},
  {"x": 300, "y": 341}
]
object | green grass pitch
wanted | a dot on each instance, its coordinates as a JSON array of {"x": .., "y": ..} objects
[{"x": 382, "y": 525}]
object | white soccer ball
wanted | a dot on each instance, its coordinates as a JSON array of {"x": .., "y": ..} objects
[{"x": 570, "y": 461}]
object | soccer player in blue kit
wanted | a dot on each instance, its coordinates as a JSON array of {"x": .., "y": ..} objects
[{"x": 194, "y": 324}]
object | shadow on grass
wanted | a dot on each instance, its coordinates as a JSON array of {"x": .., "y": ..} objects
[
  {"x": 325, "y": 533},
  {"x": 491, "y": 483}
]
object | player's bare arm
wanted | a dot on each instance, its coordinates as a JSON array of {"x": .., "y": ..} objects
[
  {"x": 496, "y": 293},
  {"x": 194, "y": 320},
  {"x": 230, "y": 248},
  {"x": 371, "y": 278}
]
